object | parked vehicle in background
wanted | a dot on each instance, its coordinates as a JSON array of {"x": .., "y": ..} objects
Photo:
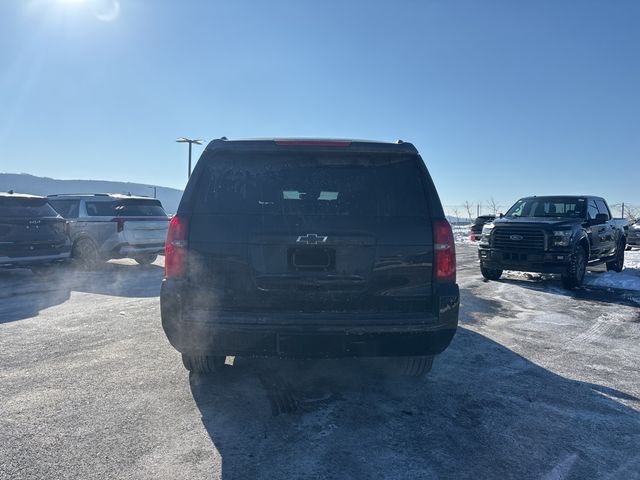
[
  {"x": 106, "y": 226},
  {"x": 633, "y": 235},
  {"x": 310, "y": 248},
  {"x": 478, "y": 223},
  {"x": 554, "y": 234},
  {"x": 32, "y": 234}
]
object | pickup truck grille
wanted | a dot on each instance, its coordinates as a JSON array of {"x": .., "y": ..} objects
[{"x": 510, "y": 238}]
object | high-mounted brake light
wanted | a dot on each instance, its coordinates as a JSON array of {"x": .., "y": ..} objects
[
  {"x": 175, "y": 250},
  {"x": 313, "y": 143},
  {"x": 445, "y": 251}
]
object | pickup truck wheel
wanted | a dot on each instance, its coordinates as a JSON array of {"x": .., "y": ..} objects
[
  {"x": 618, "y": 264},
  {"x": 490, "y": 273},
  {"x": 146, "y": 259},
  {"x": 203, "y": 363},
  {"x": 85, "y": 254},
  {"x": 578, "y": 269},
  {"x": 416, "y": 366}
]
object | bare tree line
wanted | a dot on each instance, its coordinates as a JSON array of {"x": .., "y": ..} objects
[
  {"x": 469, "y": 210},
  {"x": 626, "y": 210}
]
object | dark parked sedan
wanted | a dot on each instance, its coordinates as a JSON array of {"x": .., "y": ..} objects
[
  {"x": 476, "y": 228},
  {"x": 32, "y": 234}
]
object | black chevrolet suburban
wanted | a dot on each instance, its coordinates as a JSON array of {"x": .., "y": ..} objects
[
  {"x": 32, "y": 234},
  {"x": 309, "y": 248},
  {"x": 554, "y": 234}
]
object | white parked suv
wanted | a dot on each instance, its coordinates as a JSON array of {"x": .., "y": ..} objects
[{"x": 105, "y": 226}]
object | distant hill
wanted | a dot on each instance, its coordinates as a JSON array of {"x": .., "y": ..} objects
[{"x": 24, "y": 183}]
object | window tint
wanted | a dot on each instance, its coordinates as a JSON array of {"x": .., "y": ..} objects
[
  {"x": 100, "y": 209},
  {"x": 592, "y": 211},
  {"x": 548, "y": 207},
  {"x": 25, "y": 207},
  {"x": 126, "y": 208},
  {"x": 140, "y": 208},
  {"x": 320, "y": 184},
  {"x": 602, "y": 207},
  {"x": 66, "y": 208}
]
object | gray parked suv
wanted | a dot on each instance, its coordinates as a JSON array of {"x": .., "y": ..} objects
[{"x": 105, "y": 226}]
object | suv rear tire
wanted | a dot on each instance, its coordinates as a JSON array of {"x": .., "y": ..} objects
[
  {"x": 146, "y": 259},
  {"x": 203, "y": 363},
  {"x": 618, "y": 263},
  {"x": 490, "y": 273},
  {"x": 85, "y": 254},
  {"x": 416, "y": 366},
  {"x": 578, "y": 269}
]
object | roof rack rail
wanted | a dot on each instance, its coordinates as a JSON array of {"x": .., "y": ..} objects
[{"x": 78, "y": 195}]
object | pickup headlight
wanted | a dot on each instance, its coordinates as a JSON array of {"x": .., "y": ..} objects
[
  {"x": 562, "y": 238},
  {"x": 486, "y": 232}
]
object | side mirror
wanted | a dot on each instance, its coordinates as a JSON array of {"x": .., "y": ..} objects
[
  {"x": 501, "y": 215},
  {"x": 601, "y": 218}
]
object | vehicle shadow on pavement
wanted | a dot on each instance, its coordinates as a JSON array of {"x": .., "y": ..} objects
[
  {"x": 23, "y": 294},
  {"x": 483, "y": 412}
]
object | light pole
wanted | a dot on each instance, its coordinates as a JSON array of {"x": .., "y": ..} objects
[
  {"x": 154, "y": 192},
  {"x": 190, "y": 142}
]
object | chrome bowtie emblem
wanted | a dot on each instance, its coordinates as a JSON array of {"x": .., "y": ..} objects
[
  {"x": 311, "y": 239},
  {"x": 516, "y": 237}
]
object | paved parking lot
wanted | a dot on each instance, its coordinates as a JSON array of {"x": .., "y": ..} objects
[{"x": 539, "y": 383}]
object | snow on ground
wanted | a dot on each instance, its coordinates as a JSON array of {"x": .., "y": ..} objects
[
  {"x": 628, "y": 279},
  {"x": 461, "y": 233}
]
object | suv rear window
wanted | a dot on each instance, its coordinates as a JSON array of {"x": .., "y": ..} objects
[
  {"x": 26, "y": 207},
  {"x": 66, "y": 208},
  {"x": 318, "y": 184},
  {"x": 126, "y": 208}
]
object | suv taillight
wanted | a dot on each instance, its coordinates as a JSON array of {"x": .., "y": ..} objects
[
  {"x": 175, "y": 250},
  {"x": 445, "y": 251},
  {"x": 67, "y": 228}
]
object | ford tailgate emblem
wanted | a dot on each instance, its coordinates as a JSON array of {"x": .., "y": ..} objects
[
  {"x": 312, "y": 239},
  {"x": 516, "y": 237}
]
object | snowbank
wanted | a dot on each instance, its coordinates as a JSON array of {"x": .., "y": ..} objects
[
  {"x": 628, "y": 279},
  {"x": 461, "y": 233}
]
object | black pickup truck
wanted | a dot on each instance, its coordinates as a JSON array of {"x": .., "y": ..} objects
[{"x": 554, "y": 234}]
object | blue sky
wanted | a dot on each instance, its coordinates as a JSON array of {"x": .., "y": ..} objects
[{"x": 502, "y": 98}]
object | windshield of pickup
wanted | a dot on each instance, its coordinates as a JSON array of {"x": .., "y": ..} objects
[{"x": 571, "y": 207}]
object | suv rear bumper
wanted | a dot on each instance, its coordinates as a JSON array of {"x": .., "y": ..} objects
[
  {"x": 36, "y": 259},
  {"x": 319, "y": 334},
  {"x": 126, "y": 250},
  {"x": 525, "y": 261}
]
